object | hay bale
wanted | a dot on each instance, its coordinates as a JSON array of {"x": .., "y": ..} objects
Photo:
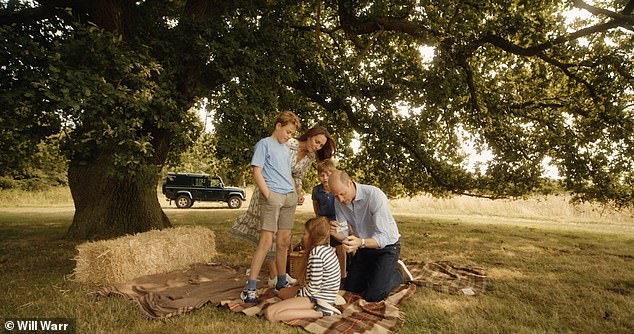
[{"x": 122, "y": 259}]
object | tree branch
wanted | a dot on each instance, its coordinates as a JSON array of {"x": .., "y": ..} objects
[
  {"x": 619, "y": 17},
  {"x": 354, "y": 26},
  {"x": 531, "y": 51},
  {"x": 473, "y": 92},
  {"x": 47, "y": 9},
  {"x": 564, "y": 68},
  {"x": 432, "y": 168}
]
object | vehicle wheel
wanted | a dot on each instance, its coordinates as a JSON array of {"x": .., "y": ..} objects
[
  {"x": 234, "y": 202},
  {"x": 183, "y": 202}
]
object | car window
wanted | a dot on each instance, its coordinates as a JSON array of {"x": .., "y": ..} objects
[{"x": 199, "y": 182}]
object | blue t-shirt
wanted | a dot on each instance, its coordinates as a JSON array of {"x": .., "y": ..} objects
[
  {"x": 325, "y": 201},
  {"x": 275, "y": 160}
]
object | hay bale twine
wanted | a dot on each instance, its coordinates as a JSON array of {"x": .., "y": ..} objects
[{"x": 124, "y": 258}]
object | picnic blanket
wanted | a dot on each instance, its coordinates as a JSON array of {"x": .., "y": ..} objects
[
  {"x": 444, "y": 276},
  {"x": 357, "y": 315},
  {"x": 360, "y": 316},
  {"x": 168, "y": 294},
  {"x": 178, "y": 292}
]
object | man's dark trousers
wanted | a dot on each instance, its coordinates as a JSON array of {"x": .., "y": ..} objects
[{"x": 372, "y": 272}]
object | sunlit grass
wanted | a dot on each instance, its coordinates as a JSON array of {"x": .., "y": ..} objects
[
  {"x": 54, "y": 196},
  {"x": 551, "y": 208},
  {"x": 547, "y": 275}
]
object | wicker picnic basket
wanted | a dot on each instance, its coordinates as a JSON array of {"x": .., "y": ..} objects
[
  {"x": 296, "y": 256},
  {"x": 294, "y": 261}
]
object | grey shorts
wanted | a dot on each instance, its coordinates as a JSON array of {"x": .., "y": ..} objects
[{"x": 278, "y": 211}]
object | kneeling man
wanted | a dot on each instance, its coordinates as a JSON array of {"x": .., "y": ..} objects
[{"x": 375, "y": 268}]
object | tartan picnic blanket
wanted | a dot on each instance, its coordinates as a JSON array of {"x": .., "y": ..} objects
[
  {"x": 178, "y": 292},
  {"x": 357, "y": 315},
  {"x": 444, "y": 276},
  {"x": 165, "y": 295},
  {"x": 360, "y": 316}
]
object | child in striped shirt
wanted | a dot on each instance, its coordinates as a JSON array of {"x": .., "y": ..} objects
[{"x": 317, "y": 297}]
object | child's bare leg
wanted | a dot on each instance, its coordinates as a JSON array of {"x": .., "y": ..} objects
[
  {"x": 266, "y": 238},
  {"x": 281, "y": 251},
  {"x": 270, "y": 260},
  {"x": 294, "y": 308},
  {"x": 272, "y": 268}
]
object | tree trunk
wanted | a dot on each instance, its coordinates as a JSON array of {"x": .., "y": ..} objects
[{"x": 108, "y": 206}]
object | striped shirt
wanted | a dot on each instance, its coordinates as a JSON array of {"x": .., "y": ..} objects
[{"x": 323, "y": 275}]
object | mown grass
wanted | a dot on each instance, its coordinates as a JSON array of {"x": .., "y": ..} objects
[{"x": 545, "y": 277}]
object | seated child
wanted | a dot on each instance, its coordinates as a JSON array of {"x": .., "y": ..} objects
[
  {"x": 317, "y": 297},
  {"x": 324, "y": 205}
]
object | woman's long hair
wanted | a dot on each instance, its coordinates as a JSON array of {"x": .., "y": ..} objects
[
  {"x": 328, "y": 149},
  {"x": 318, "y": 229}
]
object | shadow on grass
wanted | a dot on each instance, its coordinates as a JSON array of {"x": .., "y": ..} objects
[{"x": 542, "y": 280}]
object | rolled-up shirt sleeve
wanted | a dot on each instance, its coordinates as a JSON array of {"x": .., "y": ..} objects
[{"x": 385, "y": 232}]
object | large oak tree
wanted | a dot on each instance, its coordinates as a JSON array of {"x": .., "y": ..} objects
[{"x": 119, "y": 78}]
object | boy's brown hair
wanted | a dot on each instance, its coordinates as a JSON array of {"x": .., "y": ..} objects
[
  {"x": 285, "y": 117},
  {"x": 327, "y": 165}
]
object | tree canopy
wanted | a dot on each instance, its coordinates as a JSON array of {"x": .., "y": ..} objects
[{"x": 513, "y": 78}]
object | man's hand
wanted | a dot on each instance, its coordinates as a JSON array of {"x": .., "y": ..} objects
[
  {"x": 335, "y": 231},
  {"x": 352, "y": 243},
  {"x": 333, "y": 227}
]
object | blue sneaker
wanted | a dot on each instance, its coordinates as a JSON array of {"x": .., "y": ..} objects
[
  {"x": 249, "y": 296},
  {"x": 287, "y": 285}
]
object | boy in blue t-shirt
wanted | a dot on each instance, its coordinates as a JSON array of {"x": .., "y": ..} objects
[{"x": 271, "y": 166}]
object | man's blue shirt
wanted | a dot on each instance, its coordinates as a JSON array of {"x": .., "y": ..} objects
[{"x": 369, "y": 215}]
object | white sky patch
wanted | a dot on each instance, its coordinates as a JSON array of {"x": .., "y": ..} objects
[
  {"x": 610, "y": 42},
  {"x": 475, "y": 160},
  {"x": 427, "y": 53},
  {"x": 550, "y": 170},
  {"x": 171, "y": 22},
  {"x": 582, "y": 41},
  {"x": 575, "y": 14},
  {"x": 204, "y": 115},
  {"x": 355, "y": 144}
]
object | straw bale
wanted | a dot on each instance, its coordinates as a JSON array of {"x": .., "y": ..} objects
[{"x": 122, "y": 259}]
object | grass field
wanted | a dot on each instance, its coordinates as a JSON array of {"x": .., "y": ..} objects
[{"x": 553, "y": 269}]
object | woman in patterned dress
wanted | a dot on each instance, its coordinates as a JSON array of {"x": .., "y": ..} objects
[{"x": 314, "y": 145}]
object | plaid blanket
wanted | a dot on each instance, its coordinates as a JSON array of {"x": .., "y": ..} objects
[
  {"x": 168, "y": 294},
  {"x": 444, "y": 276},
  {"x": 357, "y": 315},
  {"x": 360, "y": 316}
]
